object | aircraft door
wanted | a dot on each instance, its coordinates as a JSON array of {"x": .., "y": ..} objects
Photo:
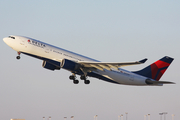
[
  {"x": 23, "y": 42},
  {"x": 47, "y": 49}
]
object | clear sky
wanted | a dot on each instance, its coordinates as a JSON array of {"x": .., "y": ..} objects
[{"x": 109, "y": 31}]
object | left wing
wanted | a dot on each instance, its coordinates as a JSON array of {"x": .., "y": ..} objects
[{"x": 108, "y": 65}]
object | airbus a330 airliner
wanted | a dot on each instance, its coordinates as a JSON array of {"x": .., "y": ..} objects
[{"x": 55, "y": 58}]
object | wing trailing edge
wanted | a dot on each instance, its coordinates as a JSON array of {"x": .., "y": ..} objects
[{"x": 109, "y": 65}]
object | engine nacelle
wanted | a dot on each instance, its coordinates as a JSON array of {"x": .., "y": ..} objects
[
  {"x": 51, "y": 65},
  {"x": 70, "y": 65}
]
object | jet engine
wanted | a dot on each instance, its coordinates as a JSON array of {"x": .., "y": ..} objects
[
  {"x": 70, "y": 65},
  {"x": 51, "y": 65}
]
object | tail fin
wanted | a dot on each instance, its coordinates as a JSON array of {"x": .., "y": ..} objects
[{"x": 156, "y": 69}]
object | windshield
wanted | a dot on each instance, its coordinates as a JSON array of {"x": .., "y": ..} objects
[{"x": 12, "y": 37}]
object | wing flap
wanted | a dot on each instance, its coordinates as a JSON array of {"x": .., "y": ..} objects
[
  {"x": 97, "y": 67},
  {"x": 105, "y": 66}
]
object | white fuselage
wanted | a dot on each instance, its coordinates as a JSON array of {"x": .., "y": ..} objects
[{"x": 41, "y": 49}]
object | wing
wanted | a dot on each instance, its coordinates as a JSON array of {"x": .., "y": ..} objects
[{"x": 109, "y": 65}]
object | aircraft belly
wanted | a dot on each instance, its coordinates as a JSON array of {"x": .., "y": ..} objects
[{"x": 121, "y": 78}]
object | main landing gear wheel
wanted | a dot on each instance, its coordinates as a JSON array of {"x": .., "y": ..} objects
[
  {"x": 86, "y": 81},
  {"x": 75, "y": 81},
  {"x": 73, "y": 77},
  {"x": 83, "y": 77}
]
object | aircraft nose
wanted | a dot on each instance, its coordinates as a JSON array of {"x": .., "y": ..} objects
[{"x": 5, "y": 39}]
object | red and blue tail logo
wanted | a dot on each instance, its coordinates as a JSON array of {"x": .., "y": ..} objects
[{"x": 157, "y": 69}]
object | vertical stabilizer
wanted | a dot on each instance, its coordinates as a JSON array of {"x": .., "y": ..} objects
[{"x": 156, "y": 69}]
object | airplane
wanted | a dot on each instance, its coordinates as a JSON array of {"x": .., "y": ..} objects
[{"x": 55, "y": 58}]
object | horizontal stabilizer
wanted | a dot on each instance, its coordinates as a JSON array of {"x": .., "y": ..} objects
[{"x": 158, "y": 82}]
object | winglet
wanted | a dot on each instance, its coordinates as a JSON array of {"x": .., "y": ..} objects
[{"x": 143, "y": 61}]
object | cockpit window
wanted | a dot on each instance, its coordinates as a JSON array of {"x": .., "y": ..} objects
[{"x": 12, "y": 37}]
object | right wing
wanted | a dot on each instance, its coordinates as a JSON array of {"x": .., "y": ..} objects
[{"x": 108, "y": 65}]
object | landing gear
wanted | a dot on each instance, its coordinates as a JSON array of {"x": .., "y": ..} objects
[
  {"x": 75, "y": 81},
  {"x": 73, "y": 77},
  {"x": 83, "y": 77},
  {"x": 86, "y": 81},
  {"x": 18, "y": 57}
]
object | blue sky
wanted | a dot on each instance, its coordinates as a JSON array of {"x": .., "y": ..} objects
[{"x": 109, "y": 31}]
